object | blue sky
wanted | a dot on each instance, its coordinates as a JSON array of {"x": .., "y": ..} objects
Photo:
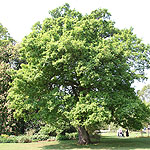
[{"x": 18, "y": 16}]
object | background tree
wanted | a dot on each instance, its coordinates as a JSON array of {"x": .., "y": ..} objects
[
  {"x": 5, "y": 55},
  {"x": 144, "y": 94},
  {"x": 79, "y": 71},
  {"x": 8, "y": 59},
  {"x": 5, "y": 37}
]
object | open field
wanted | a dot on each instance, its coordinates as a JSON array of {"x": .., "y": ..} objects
[{"x": 109, "y": 141}]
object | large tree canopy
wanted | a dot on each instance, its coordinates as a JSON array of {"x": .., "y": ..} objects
[{"x": 80, "y": 70}]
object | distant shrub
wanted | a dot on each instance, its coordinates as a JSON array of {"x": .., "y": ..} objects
[
  {"x": 7, "y": 139},
  {"x": 61, "y": 137},
  {"x": 30, "y": 132},
  {"x": 5, "y": 135},
  {"x": 3, "y": 140},
  {"x": 39, "y": 137},
  {"x": 72, "y": 136},
  {"x": 47, "y": 130},
  {"x": 24, "y": 139},
  {"x": 67, "y": 136}
]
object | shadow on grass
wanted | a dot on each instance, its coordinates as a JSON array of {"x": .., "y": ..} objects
[{"x": 108, "y": 143}]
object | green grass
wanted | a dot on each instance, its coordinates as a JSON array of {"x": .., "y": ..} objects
[{"x": 109, "y": 141}]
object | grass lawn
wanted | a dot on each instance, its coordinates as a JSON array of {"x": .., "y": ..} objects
[{"x": 109, "y": 141}]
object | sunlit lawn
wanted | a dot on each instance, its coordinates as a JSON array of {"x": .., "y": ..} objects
[{"x": 109, "y": 141}]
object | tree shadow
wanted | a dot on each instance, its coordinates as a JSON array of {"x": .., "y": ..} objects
[{"x": 108, "y": 143}]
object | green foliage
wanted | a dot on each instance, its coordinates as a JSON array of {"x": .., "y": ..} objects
[
  {"x": 67, "y": 136},
  {"x": 5, "y": 38},
  {"x": 8, "y": 139},
  {"x": 61, "y": 137},
  {"x": 8, "y": 60},
  {"x": 47, "y": 130},
  {"x": 79, "y": 72},
  {"x": 40, "y": 137},
  {"x": 25, "y": 138},
  {"x": 144, "y": 94},
  {"x": 7, "y": 53},
  {"x": 4, "y": 135},
  {"x": 72, "y": 136}
]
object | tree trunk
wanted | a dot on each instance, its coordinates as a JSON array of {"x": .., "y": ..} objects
[{"x": 84, "y": 137}]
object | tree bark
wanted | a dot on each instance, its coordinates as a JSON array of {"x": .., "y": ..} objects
[{"x": 84, "y": 137}]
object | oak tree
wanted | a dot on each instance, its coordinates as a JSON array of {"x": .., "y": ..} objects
[{"x": 79, "y": 71}]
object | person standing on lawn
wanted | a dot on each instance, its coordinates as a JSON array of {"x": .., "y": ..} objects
[{"x": 127, "y": 133}]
